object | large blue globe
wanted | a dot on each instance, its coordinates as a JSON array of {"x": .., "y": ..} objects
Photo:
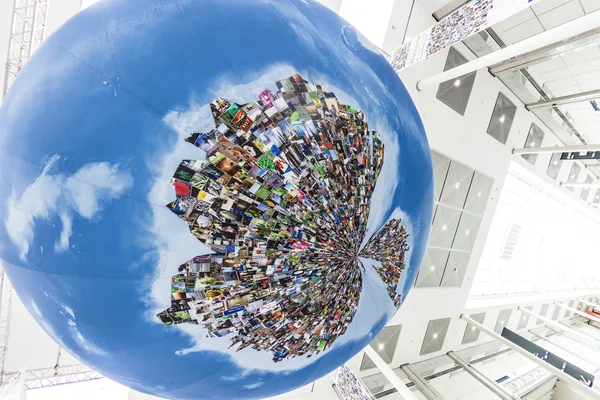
[{"x": 212, "y": 199}]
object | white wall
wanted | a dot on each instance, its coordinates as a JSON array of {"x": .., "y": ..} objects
[
  {"x": 370, "y": 17},
  {"x": 334, "y": 5}
]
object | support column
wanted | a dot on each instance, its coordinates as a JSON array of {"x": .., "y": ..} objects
[
  {"x": 425, "y": 388},
  {"x": 391, "y": 376},
  {"x": 581, "y": 314},
  {"x": 554, "y": 35},
  {"x": 497, "y": 390},
  {"x": 588, "y": 341},
  {"x": 567, "y": 379}
]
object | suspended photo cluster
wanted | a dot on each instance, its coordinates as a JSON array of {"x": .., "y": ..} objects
[{"x": 282, "y": 200}]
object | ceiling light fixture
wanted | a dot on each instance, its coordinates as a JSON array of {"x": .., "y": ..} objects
[
  {"x": 502, "y": 118},
  {"x": 457, "y": 83}
]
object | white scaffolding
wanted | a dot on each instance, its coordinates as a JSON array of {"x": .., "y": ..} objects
[
  {"x": 60, "y": 375},
  {"x": 27, "y": 32},
  {"x": 5, "y": 306}
]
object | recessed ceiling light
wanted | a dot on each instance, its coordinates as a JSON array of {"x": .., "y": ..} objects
[
  {"x": 435, "y": 335},
  {"x": 457, "y": 185},
  {"x": 502, "y": 118},
  {"x": 444, "y": 227},
  {"x": 432, "y": 268},
  {"x": 473, "y": 328},
  {"x": 468, "y": 232},
  {"x": 457, "y": 83},
  {"x": 381, "y": 347},
  {"x": 532, "y": 144}
]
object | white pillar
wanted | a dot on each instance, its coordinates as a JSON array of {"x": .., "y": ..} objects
[
  {"x": 562, "y": 32},
  {"x": 391, "y": 376},
  {"x": 567, "y": 379},
  {"x": 582, "y": 314}
]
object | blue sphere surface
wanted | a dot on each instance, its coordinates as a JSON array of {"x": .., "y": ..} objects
[{"x": 212, "y": 199}]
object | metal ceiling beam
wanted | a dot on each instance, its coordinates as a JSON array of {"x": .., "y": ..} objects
[
  {"x": 574, "y": 43},
  {"x": 589, "y": 303},
  {"x": 424, "y": 387},
  {"x": 573, "y": 98},
  {"x": 404, "y": 392},
  {"x": 580, "y": 313},
  {"x": 589, "y": 341},
  {"x": 575, "y": 27},
  {"x": 492, "y": 386},
  {"x": 567, "y": 379}
]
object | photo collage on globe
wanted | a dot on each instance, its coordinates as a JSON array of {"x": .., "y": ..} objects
[
  {"x": 454, "y": 28},
  {"x": 282, "y": 200}
]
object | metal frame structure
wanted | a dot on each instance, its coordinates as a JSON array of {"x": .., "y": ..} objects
[
  {"x": 5, "y": 306},
  {"x": 59, "y": 375},
  {"x": 492, "y": 386},
  {"x": 27, "y": 32}
]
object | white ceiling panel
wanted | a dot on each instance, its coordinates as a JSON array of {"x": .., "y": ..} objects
[
  {"x": 554, "y": 75},
  {"x": 517, "y": 19},
  {"x": 588, "y": 66},
  {"x": 587, "y": 77},
  {"x": 561, "y": 83},
  {"x": 560, "y": 15},
  {"x": 544, "y": 6},
  {"x": 581, "y": 112},
  {"x": 547, "y": 66},
  {"x": 590, "y": 5},
  {"x": 522, "y": 31},
  {"x": 583, "y": 55},
  {"x": 583, "y": 106},
  {"x": 565, "y": 92},
  {"x": 589, "y": 86}
]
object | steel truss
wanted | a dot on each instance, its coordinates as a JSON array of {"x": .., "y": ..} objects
[
  {"x": 5, "y": 306},
  {"x": 60, "y": 375},
  {"x": 27, "y": 33}
]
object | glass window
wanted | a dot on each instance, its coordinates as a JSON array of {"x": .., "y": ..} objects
[
  {"x": 554, "y": 166},
  {"x": 534, "y": 139},
  {"x": 585, "y": 192},
  {"x": 502, "y": 119},
  {"x": 455, "y": 93},
  {"x": 573, "y": 175}
]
